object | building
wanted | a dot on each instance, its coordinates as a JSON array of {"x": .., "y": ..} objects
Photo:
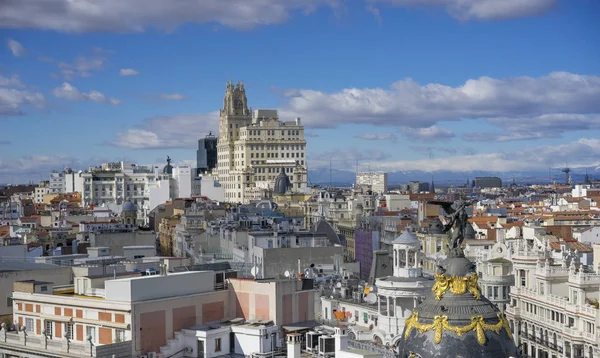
[
  {"x": 57, "y": 182},
  {"x": 206, "y": 155},
  {"x": 378, "y": 313},
  {"x": 42, "y": 189},
  {"x": 254, "y": 148},
  {"x": 114, "y": 183},
  {"x": 377, "y": 181},
  {"x": 13, "y": 269},
  {"x": 554, "y": 303},
  {"x": 417, "y": 186},
  {"x": 487, "y": 182},
  {"x": 123, "y": 314}
]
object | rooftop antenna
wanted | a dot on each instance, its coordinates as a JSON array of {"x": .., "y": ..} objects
[{"x": 330, "y": 184}]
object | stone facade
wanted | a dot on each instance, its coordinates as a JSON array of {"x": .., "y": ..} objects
[{"x": 253, "y": 149}]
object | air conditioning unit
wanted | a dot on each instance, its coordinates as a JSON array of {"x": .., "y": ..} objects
[
  {"x": 189, "y": 349},
  {"x": 151, "y": 355}
]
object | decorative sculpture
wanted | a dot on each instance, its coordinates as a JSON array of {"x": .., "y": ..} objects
[
  {"x": 168, "y": 160},
  {"x": 459, "y": 219}
]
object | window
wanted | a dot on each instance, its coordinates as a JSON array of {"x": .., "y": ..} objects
[
  {"x": 9, "y": 302},
  {"x": 120, "y": 335},
  {"x": 49, "y": 329},
  {"x": 91, "y": 332},
  {"x": 218, "y": 345},
  {"x": 44, "y": 288},
  {"x": 29, "y": 325}
]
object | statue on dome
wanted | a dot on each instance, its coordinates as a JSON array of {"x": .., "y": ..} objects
[{"x": 459, "y": 219}]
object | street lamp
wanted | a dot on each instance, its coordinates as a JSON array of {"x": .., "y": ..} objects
[
  {"x": 67, "y": 339},
  {"x": 89, "y": 339}
]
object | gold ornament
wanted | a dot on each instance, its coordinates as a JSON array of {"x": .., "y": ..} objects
[
  {"x": 440, "y": 324},
  {"x": 457, "y": 285}
]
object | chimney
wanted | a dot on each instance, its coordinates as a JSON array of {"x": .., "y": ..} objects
[
  {"x": 293, "y": 345},
  {"x": 341, "y": 339}
]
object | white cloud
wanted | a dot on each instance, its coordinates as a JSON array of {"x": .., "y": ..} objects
[
  {"x": 138, "y": 15},
  {"x": 178, "y": 131},
  {"x": 15, "y": 47},
  {"x": 377, "y": 136},
  {"x": 68, "y": 92},
  {"x": 173, "y": 97},
  {"x": 13, "y": 97},
  {"x": 409, "y": 104},
  {"x": 583, "y": 152},
  {"x": 481, "y": 9},
  {"x": 128, "y": 72},
  {"x": 13, "y": 81},
  {"x": 82, "y": 66},
  {"x": 433, "y": 132},
  {"x": 28, "y": 168},
  {"x": 344, "y": 158}
]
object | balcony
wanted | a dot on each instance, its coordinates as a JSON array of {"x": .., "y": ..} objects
[{"x": 17, "y": 344}]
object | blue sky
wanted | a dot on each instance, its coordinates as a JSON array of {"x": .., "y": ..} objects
[{"x": 490, "y": 85}]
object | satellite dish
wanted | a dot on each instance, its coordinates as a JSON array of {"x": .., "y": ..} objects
[
  {"x": 286, "y": 273},
  {"x": 338, "y": 285},
  {"x": 254, "y": 271},
  {"x": 371, "y": 298}
]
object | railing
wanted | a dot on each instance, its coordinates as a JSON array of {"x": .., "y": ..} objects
[
  {"x": 386, "y": 352},
  {"x": 30, "y": 344},
  {"x": 552, "y": 271}
]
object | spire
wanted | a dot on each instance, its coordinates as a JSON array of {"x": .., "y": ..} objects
[{"x": 432, "y": 185}]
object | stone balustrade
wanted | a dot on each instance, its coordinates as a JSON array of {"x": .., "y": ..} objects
[{"x": 18, "y": 342}]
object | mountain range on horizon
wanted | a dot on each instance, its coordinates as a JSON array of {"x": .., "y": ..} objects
[{"x": 322, "y": 176}]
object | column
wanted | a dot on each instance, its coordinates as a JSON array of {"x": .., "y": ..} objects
[
  {"x": 378, "y": 304},
  {"x": 416, "y": 258},
  {"x": 515, "y": 332},
  {"x": 406, "y": 251},
  {"x": 387, "y": 301}
]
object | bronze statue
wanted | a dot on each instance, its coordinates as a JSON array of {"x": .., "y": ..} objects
[
  {"x": 168, "y": 160},
  {"x": 459, "y": 219}
]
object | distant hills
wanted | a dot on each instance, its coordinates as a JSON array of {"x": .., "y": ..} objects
[{"x": 321, "y": 176}]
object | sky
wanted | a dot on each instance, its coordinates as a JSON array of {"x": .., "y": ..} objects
[{"x": 396, "y": 85}]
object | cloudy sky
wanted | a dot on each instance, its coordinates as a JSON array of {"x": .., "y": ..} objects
[{"x": 393, "y": 84}]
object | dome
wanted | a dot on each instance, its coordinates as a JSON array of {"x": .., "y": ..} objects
[
  {"x": 456, "y": 320},
  {"x": 282, "y": 183},
  {"x": 436, "y": 227},
  {"x": 168, "y": 169},
  {"x": 406, "y": 238},
  {"x": 128, "y": 206}
]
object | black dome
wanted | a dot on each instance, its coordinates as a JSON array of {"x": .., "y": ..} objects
[
  {"x": 282, "y": 183},
  {"x": 456, "y": 320}
]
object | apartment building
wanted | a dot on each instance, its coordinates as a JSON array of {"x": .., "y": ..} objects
[
  {"x": 554, "y": 304},
  {"x": 254, "y": 148},
  {"x": 377, "y": 181}
]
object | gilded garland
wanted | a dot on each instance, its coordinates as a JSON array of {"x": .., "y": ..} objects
[
  {"x": 456, "y": 284},
  {"x": 440, "y": 324}
]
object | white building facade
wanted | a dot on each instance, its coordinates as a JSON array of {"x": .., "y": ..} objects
[
  {"x": 253, "y": 149},
  {"x": 554, "y": 305},
  {"x": 378, "y": 181}
]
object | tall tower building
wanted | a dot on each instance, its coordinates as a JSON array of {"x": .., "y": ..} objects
[{"x": 253, "y": 148}]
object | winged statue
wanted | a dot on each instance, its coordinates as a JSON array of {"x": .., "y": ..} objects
[{"x": 459, "y": 219}]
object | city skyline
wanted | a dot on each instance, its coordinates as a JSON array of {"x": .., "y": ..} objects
[{"x": 384, "y": 83}]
